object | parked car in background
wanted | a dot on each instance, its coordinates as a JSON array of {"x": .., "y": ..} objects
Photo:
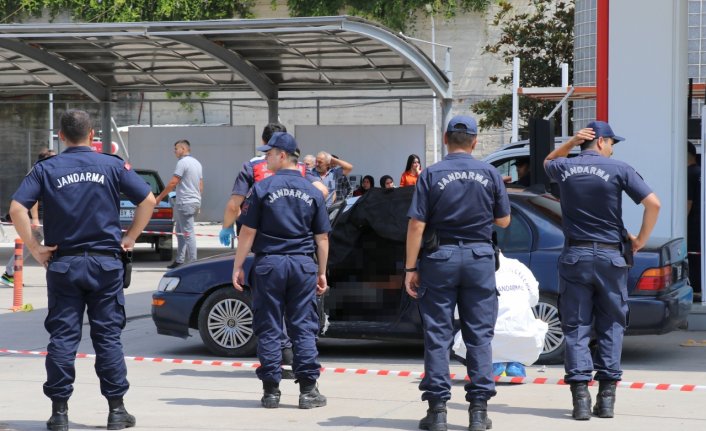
[
  {"x": 367, "y": 298},
  {"x": 161, "y": 220},
  {"x": 504, "y": 158}
]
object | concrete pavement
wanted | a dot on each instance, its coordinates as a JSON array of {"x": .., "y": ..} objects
[{"x": 167, "y": 396}]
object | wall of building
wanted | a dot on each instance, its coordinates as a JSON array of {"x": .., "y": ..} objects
[
  {"x": 218, "y": 149},
  {"x": 647, "y": 95}
]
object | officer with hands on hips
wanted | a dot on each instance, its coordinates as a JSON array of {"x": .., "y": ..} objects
[
  {"x": 460, "y": 198},
  {"x": 284, "y": 221},
  {"x": 593, "y": 271},
  {"x": 80, "y": 190}
]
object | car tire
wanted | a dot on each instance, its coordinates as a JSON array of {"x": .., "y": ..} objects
[
  {"x": 554, "y": 342},
  {"x": 226, "y": 323},
  {"x": 165, "y": 250}
]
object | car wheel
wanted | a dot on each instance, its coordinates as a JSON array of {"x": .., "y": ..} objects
[
  {"x": 226, "y": 323},
  {"x": 547, "y": 310},
  {"x": 165, "y": 250}
]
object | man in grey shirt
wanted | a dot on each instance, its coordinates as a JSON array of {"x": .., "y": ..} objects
[
  {"x": 188, "y": 181},
  {"x": 329, "y": 171}
]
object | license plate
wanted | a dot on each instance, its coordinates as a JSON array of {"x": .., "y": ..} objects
[{"x": 127, "y": 213}]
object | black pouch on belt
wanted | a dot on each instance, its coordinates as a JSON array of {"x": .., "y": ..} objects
[
  {"x": 496, "y": 249},
  {"x": 126, "y": 257},
  {"x": 626, "y": 245},
  {"x": 430, "y": 240}
]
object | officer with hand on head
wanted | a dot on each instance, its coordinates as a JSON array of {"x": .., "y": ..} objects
[
  {"x": 460, "y": 198},
  {"x": 284, "y": 222},
  {"x": 80, "y": 190},
  {"x": 593, "y": 270}
]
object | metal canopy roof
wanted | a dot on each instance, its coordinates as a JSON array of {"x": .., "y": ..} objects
[{"x": 268, "y": 56}]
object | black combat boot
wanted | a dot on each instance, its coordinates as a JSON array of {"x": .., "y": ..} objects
[
  {"x": 118, "y": 417},
  {"x": 59, "y": 420},
  {"x": 309, "y": 395},
  {"x": 605, "y": 401},
  {"x": 288, "y": 359},
  {"x": 435, "y": 420},
  {"x": 478, "y": 416},
  {"x": 270, "y": 398},
  {"x": 582, "y": 401}
]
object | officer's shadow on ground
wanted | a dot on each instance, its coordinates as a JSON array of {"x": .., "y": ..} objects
[
  {"x": 554, "y": 413},
  {"x": 253, "y": 403},
  {"x": 227, "y": 374},
  {"x": 10, "y": 425},
  {"x": 378, "y": 423}
]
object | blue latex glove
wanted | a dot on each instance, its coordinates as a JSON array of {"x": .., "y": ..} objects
[{"x": 225, "y": 235}]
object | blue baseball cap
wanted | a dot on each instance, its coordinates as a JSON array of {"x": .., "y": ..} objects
[
  {"x": 603, "y": 130},
  {"x": 282, "y": 140},
  {"x": 463, "y": 123}
]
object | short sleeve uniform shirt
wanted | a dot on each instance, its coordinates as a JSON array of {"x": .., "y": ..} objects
[
  {"x": 286, "y": 210},
  {"x": 591, "y": 188},
  {"x": 460, "y": 197},
  {"x": 81, "y": 193}
]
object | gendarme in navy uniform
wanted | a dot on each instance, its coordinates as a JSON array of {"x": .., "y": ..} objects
[
  {"x": 592, "y": 268},
  {"x": 284, "y": 222},
  {"x": 80, "y": 190},
  {"x": 254, "y": 171},
  {"x": 460, "y": 198}
]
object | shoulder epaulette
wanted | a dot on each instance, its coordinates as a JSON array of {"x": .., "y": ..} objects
[{"x": 114, "y": 155}]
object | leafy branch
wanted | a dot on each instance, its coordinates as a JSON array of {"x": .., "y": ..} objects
[{"x": 542, "y": 38}]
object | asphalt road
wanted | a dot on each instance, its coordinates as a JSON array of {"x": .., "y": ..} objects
[{"x": 169, "y": 396}]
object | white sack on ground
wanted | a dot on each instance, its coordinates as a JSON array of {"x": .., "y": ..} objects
[{"x": 519, "y": 336}]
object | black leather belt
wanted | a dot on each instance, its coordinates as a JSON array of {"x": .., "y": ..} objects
[
  {"x": 311, "y": 255},
  {"x": 448, "y": 241},
  {"x": 590, "y": 244},
  {"x": 73, "y": 252}
]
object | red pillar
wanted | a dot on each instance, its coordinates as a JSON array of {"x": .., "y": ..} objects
[{"x": 602, "y": 37}]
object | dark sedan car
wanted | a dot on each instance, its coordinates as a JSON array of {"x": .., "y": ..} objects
[
  {"x": 367, "y": 298},
  {"x": 161, "y": 221}
]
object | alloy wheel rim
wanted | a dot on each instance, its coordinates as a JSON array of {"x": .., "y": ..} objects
[
  {"x": 549, "y": 314},
  {"x": 230, "y": 323}
]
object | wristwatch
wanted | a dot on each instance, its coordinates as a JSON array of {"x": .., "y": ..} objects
[{"x": 410, "y": 269}]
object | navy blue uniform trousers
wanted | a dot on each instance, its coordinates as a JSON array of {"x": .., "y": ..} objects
[
  {"x": 285, "y": 285},
  {"x": 76, "y": 284},
  {"x": 463, "y": 274},
  {"x": 593, "y": 292}
]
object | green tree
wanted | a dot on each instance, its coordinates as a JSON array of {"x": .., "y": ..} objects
[
  {"x": 127, "y": 10},
  {"x": 396, "y": 14},
  {"x": 542, "y": 38}
]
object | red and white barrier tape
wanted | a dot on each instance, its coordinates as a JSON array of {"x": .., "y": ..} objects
[
  {"x": 151, "y": 232},
  {"x": 154, "y": 232},
  {"x": 364, "y": 371}
]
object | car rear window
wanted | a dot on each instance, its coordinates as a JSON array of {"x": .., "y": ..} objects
[{"x": 151, "y": 179}]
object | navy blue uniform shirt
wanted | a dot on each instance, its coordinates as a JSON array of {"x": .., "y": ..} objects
[
  {"x": 287, "y": 211},
  {"x": 591, "y": 187},
  {"x": 81, "y": 190},
  {"x": 460, "y": 197}
]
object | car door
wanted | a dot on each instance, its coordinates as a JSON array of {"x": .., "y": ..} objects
[
  {"x": 365, "y": 291},
  {"x": 517, "y": 240},
  {"x": 367, "y": 248}
]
